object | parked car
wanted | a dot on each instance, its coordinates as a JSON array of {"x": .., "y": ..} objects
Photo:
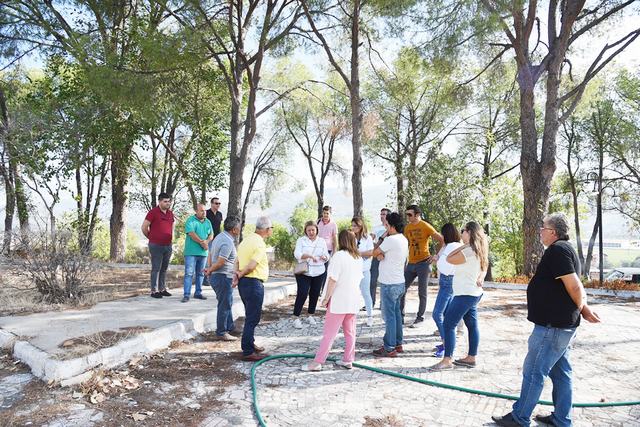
[{"x": 628, "y": 274}]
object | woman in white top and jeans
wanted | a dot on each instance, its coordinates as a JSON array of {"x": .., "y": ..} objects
[
  {"x": 313, "y": 250},
  {"x": 365, "y": 247},
  {"x": 445, "y": 279},
  {"x": 471, "y": 261},
  {"x": 343, "y": 300}
]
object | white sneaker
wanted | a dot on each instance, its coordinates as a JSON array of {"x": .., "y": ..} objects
[
  {"x": 312, "y": 320},
  {"x": 370, "y": 321},
  {"x": 297, "y": 323},
  {"x": 345, "y": 365}
]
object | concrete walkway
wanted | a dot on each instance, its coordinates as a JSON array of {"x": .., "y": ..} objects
[{"x": 145, "y": 325}]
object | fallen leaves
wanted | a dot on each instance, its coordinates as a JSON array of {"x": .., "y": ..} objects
[
  {"x": 104, "y": 384},
  {"x": 140, "y": 416}
]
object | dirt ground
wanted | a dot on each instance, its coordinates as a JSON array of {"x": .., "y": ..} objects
[{"x": 177, "y": 386}]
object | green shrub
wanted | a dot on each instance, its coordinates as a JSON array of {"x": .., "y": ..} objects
[{"x": 283, "y": 243}]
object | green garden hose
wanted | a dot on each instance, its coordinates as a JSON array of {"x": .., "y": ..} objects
[{"x": 414, "y": 379}]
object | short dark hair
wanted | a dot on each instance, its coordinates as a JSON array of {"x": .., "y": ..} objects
[
  {"x": 326, "y": 208},
  {"x": 231, "y": 222},
  {"x": 394, "y": 219},
  {"x": 450, "y": 233},
  {"x": 387, "y": 210},
  {"x": 163, "y": 196},
  {"x": 415, "y": 208},
  {"x": 214, "y": 198}
]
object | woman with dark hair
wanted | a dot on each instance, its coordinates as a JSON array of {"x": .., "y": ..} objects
[
  {"x": 311, "y": 249},
  {"x": 343, "y": 300},
  {"x": 392, "y": 254},
  {"x": 365, "y": 247},
  {"x": 471, "y": 261},
  {"x": 445, "y": 279}
]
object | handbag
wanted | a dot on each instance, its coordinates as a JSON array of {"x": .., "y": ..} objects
[{"x": 301, "y": 268}]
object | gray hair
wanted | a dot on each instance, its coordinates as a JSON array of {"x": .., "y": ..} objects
[
  {"x": 560, "y": 223},
  {"x": 263, "y": 222},
  {"x": 231, "y": 222}
]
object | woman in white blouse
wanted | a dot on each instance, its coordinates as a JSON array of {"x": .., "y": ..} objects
[
  {"x": 471, "y": 261},
  {"x": 313, "y": 250},
  {"x": 343, "y": 300},
  {"x": 365, "y": 247}
]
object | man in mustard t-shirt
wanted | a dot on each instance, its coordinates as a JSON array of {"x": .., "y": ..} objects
[
  {"x": 252, "y": 271},
  {"x": 418, "y": 232}
]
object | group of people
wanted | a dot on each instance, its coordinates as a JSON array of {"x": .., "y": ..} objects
[{"x": 344, "y": 270}]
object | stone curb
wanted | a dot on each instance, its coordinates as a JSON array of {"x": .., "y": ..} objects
[{"x": 74, "y": 371}]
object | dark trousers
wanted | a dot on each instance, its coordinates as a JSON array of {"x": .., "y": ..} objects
[
  {"x": 160, "y": 257},
  {"x": 421, "y": 270},
  {"x": 308, "y": 286},
  {"x": 373, "y": 284},
  {"x": 252, "y": 294}
]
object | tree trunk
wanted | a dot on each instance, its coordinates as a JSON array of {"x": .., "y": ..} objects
[
  {"x": 356, "y": 113},
  {"x": 592, "y": 240},
  {"x": 120, "y": 159},
  {"x": 10, "y": 208},
  {"x": 22, "y": 202},
  {"x": 236, "y": 161},
  {"x": 400, "y": 196}
]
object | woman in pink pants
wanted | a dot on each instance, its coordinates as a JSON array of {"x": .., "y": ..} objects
[{"x": 343, "y": 300}]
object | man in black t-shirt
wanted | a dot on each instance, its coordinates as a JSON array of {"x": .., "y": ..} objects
[
  {"x": 215, "y": 216},
  {"x": 555, "y": 301}
]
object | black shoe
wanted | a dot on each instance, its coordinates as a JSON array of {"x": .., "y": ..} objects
[
  {"x": 505, "y": 420},
  {"x": 156, "y": 295},
  {"x": 165, "y": 293},
  {"x": 184, "y": 299},
  {"x": 199, "y": 297},
  {"x": 546, "y": 419}
]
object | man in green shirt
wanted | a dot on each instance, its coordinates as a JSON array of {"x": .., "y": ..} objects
[{"x": 199, "y": 233}]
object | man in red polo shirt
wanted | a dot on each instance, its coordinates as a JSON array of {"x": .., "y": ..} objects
[{"x": 158, "y": 228}]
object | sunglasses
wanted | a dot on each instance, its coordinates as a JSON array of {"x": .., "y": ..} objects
[
  {"x": 409, "y": 214},
  {"x": 216, "y": 203},
  {"x": 464, "y": 230}
]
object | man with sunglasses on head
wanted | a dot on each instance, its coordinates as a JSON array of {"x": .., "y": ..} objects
[{"x": 418, "y": 232}]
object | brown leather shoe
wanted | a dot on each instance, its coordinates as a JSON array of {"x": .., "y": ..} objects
[
  {"x": 254, "y": 357},
  {"x": 258, "y": 349}
]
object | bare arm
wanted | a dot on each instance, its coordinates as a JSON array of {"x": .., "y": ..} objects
[
  {"x": 145, "y": 227},
  {"x": 439, "y": 242},
  {"x": 576, "y": 291},
  {"x": 331, "y": 286},
  {"x": 456, "y": 257},
  {"x": 198, "y": 240},
  {"x": 215, "y": 266}
]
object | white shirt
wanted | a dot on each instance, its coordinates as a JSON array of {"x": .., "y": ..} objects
[
  {"x": 396, "y": 250},
  {"x": 365, "y": 244},
  {"x": 316, "y": 248},
  {"x": 443, "y": 266},
  {"x": 466, "y": 277},
  {"x": 347, "y": 272}
]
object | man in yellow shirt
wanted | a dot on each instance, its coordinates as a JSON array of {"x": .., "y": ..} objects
[
  {"x": 418, "y": 232},
  {"x": 251, "y": 272}
]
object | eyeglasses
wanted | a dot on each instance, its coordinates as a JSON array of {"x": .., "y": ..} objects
[
  {"x": 409, "y": 214},
  {"x": 546, "y": 228}
]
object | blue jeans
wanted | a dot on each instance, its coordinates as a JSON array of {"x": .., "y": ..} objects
[
  {"x": 252, "y": 294},
  {"x": 365, "y": 290},
  {"x": 193, "y": 264},
  {"x": 445, "y": 294},
  {"x": 390, "y": 305},
  {"x": 160, "y": 257},
  {"x": 221, "y": 285},
  {"x": 461, "y": 307},
  {"x": 548, "y": 355},
  {"x": 421, "y": 270}
]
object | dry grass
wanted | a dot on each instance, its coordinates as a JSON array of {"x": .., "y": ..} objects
[{"x": 82, "y": 346}]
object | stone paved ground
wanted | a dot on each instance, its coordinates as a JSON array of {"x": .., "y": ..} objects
[
  {"x": 606, "y": 359},
  {"x": 202, "y": 382}
]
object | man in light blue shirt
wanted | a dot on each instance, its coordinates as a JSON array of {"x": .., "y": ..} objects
[
  {"x": 220, "y": 266},
  {"x": 196, "y": 244}
]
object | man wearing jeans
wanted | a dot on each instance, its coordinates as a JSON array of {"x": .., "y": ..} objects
[
  {"x": 158, "y": 228},
  {"x": 196, "y": 244},
  {"x": 555, "y": 301},
  {"x": 418, "y": 233},
  {"x": 220, "y": 262},
  {"x": 392, "y": 254},
  {"x": 252, "y": 272}
]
